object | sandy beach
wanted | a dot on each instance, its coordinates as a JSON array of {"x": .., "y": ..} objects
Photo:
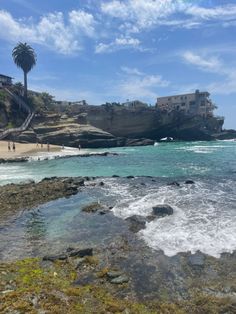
[
  {"x": 25, "y": 150},
  {"x": 30, "y": 151}
]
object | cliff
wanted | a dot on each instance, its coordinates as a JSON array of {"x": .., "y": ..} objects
[{"x": 113, "y": 125}]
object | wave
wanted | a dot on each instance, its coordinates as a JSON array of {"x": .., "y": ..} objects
[{"x": 204, "y": 215}]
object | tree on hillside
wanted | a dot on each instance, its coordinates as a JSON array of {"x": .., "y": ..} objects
[
  {"x": 24, "y": 57},
  {"x": 47, "y": 98}
]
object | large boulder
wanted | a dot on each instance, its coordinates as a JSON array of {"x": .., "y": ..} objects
[
  {"x": 75, "y": 134},
  {"x": 136, "y": 222},
  {"x": 162, "y": 210}
]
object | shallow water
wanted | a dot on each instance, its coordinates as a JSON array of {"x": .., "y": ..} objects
[
  {"x": 204, "y": 213},
  {"x": 165, "y": 160}
]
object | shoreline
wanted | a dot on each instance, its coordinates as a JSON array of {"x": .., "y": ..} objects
[
  {"x": 29, "y": 152},
  {"x": 123, "y": 266}
]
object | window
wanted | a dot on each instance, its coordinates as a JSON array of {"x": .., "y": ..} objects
[{"x": 183, "y": 104}]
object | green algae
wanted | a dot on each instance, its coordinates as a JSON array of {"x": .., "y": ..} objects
[{"x": 49, "y": 287}]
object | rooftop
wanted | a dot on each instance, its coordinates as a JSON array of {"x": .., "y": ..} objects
[
  {"x": 6, "y": 76},
  {"x": 205, "y": 92}
]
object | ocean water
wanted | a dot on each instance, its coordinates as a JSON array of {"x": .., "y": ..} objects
[
  {"x": 173, "y": 160},
  {"x": 204, "y": 213}
]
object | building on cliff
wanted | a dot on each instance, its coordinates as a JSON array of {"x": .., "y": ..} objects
[
  {"x": 194, "y": 104},
  {"x": 5, "y": 80},
  {"x": 135, "y": 104}
]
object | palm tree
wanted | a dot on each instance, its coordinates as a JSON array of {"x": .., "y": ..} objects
[{"x": 24, "y": 57}]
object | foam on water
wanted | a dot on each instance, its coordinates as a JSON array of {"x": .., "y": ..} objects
[
  {"x": 67, "y": 151},
  {"x": 204, "y": 216}
]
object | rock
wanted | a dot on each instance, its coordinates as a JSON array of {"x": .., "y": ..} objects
[
  {"x": 136, "y": 222},
  {"x": 92, "y": 208},
  {"x": 189, "y": 182},
  {"x": 69, "y": 249},
  {"x": 162, "y": 210},
  {"x": 119, "y": 280},
  {"x": 197, "y": 259},
  {"x": 114, "y": 273},
  {"x": 81, "y": 253},
  {"x": 139, "y": 142},
  {"x": 173, "y": 183},
  {"x": 79, "y": 181},
  {"x": 150, "y": 218},
  {"x": 27, "y": 181},
  {"x": 84, "y": 280},
  {"x": 72, "y": 187},
  {"x": 130, "y": 177},
  {"x": 115, "y": 176},
  {"x": 53, "y": 258},
  {"x": 103, "y": 212},
  {"x": 101, "y": 183}
]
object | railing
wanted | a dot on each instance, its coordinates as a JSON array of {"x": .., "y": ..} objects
[{"x": 27, "y": 121}]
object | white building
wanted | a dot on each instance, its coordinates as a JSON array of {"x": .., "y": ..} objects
[
  {"x": 5, "y": 80},
  {"x": 197, "y": 103}
]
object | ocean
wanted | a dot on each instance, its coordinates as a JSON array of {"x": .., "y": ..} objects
[{"x": 204, "y": 212}]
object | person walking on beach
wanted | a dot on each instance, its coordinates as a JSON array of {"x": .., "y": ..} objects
[
  {"x": 14, "y": 147},
  {"x": 79, "y": 147},
  {"x": 48, "y": 147},
  {"x": 41, "y": 145},
  {"x": 9, "y": 146}
]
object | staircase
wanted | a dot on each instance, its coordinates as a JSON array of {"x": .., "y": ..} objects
[{"x": 23, "y": 106}]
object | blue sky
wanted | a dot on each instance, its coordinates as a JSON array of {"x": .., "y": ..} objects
[{"x": 110, "y": 50}]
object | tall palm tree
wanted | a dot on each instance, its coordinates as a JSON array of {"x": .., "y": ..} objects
[{"x": 24, "y": 57}]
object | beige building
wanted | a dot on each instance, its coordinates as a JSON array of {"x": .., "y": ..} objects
[{"x": 197, "y": 103}]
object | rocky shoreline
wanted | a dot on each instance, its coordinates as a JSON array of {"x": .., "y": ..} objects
[
  {"x": 121, "y": 275},
  {"x": 35, "y": 158}
]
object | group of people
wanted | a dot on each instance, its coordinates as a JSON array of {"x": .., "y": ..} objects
[
  {"x": 41, "y": 145},
  {"x": 11, "y": 147}
]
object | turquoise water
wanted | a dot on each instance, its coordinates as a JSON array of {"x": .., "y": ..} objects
[
  {"x": 165, "y": 160},
  {"x": 204, "y": 212}
]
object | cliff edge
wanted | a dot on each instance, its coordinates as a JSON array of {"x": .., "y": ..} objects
[{"x": 112, "y": 125}]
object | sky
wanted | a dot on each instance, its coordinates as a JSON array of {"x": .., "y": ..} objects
[{"x": 111, "y": 51}]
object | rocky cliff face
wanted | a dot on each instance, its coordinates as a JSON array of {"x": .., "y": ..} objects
[
  {"x": 110, "y": 126},
  {"x": 148, "y": 123}
]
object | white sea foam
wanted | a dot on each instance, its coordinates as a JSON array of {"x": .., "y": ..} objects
[
  {"x": 67, "y": 151},
  {"x": 201, "y": 149},
  {"x": 204, "y": 216}
]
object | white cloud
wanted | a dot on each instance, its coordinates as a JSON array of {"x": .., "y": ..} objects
[
  {"x": 138, "y": 85},
  {"x": 212, "y": 64},
  {"x": 207, "y": 64},
  {"x": 119, "y": 43},
  {"x": 52, "y": 30},
  {"x": 225, "y": 12},
  {"x": 145, "y": 14},
  {"x": 132, "y": 71},
  {"x": 82, "y": 21}
]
